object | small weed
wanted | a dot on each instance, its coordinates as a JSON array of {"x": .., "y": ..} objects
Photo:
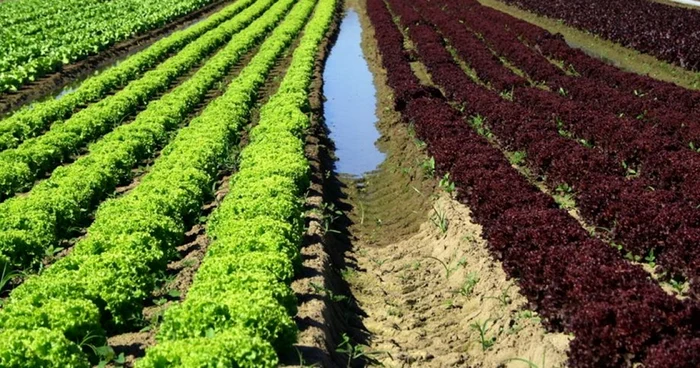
[
  {"x": 678, "y": 285},
  {"x": 483, "y": 328},
  {"x": 354, "y": 352},
  {"x": 468, "y": 287},
  {"x": 428, "y": 167},
  {"x": 651, "y": 259},
  {"x": 561, "y": 128},
  {"x": 529, "y": 363},
  {"x": 348, "y": 273},
  {"x": 7, "y": 276},
  {"x": 440, "y": 220},
  {"x": 562, "y": 92},
  {"x": 503, "y": 298},
  {"x": 446, "y": 184},
  {"x": 633, "y": 257},
  {"x": 448, "y": 271},
  {"x": 478, "y": 122},
  {"x": 631, "y": 172},
  {"x": 564, "y": 196},
  {"x": 449, "y": 304},
  {"x": 187, "y": 263},
  {"x": 693, "y": 147},
  {"x": 302, "y": 362},
  {"x": 507, "y": 94},
  {"x": 320, "y": 289},
  {"x": 517, "y": 158},
  {"x": 104, "y": 353}
]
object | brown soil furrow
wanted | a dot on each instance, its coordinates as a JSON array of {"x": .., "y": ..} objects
[{"x": 54, "y": 82}]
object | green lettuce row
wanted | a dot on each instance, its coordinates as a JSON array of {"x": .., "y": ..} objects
[
  {"x": 103, "y": 283},
  {"x": 242, "y": 284},
  {"x": 30, "y": 224},
  {"x": 82, "y": 34},
  {"x": 32, "y": 120},
  {"x": 21, "y": 166}
]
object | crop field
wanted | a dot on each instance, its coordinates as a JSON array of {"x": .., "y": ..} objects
[{"x": 329, "y": 183}]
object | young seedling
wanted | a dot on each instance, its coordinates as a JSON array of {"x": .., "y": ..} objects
[
  {"x": 320, "y": 289},
  {"x": 7, "y": 276},
  {"x": 517, "y": 158},
  {"x": 469, "y": 284},
  {"x": 564, "y": 196},
  {"x": 503, "y": 298},
  {"x": 478, "y": 122},
  {"x": 483, "y": 328},
  {"x": 353, "y": 352},
  {"x": 446, "y": 184},
  {"x": 651, "y": 259},
  {"x": 448, "y": 270},
  {"x": 428, "y": 167},
  {"x": 440, "y": 220}
]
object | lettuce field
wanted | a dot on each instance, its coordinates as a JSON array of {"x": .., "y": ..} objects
[{"x": 174, "y": 189}]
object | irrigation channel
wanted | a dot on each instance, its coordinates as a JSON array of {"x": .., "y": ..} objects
[{"x": 351, "y": 101}]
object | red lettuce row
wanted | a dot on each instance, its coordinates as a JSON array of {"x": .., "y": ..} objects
[
  {"x": 616, "y": 312},
  {"x": 661, "y": 222},
  {"x": 666, "y": 163},
  {"x": 645, "y": 221},
  {"x": 676, "y": 121},
  {"x": 667, "y": 32},
  {"x": 555, "y": 46}
]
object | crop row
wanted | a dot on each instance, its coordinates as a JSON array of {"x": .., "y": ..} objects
[
  {"x": 36, "y": 222},
  {"x": 579, "y": 284},
  {"x": 555, "y": 47},
  {"x": 21, "y": 166},
  {"x": 654, "y": 215},
  {"x": 638, "y": 132},
  {"x": 240, "y": 303},
  {"x": 102, "y": 284},
  {"x": 668, "y": 32},
  {"x": 82, "y": 33},
  {"x": 37, "y": 117},
  {"x": 651, "y": 117}
]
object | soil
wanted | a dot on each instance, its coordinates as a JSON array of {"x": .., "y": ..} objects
[{"x": 55, "y": 81}]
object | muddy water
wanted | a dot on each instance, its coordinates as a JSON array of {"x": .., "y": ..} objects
[{"x": 351, "y": 102}]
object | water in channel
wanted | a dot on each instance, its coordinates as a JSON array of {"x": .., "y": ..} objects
[{"x": 351, "y": 102}]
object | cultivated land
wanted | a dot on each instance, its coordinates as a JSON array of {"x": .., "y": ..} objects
[{"x": 179, "y": 202}]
